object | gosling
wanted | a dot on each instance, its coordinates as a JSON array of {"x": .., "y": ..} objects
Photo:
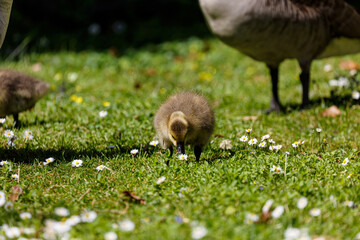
[
  {"x": 185, "y": 119},
  {"x": 19, "y": 92}
]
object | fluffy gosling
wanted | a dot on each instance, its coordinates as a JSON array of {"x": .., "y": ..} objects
[
  {"x": 184, "y": 118},
  {"x": 19, "y": 92}
]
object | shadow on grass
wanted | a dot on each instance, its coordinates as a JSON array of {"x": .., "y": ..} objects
[
  {"x": 341, "y": 101},
  {"x": 27, "y": 155}
]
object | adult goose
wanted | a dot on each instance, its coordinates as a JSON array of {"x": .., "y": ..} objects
[
  {"x": 274, "y": 30},
  {"x": 5, "y": 9}
]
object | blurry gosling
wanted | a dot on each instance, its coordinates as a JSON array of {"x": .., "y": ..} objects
[
  {"x": 184, "y": 118},
  {"x": 19, "y": 92}
]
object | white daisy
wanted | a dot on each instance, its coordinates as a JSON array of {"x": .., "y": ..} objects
[
  {"x": 318, "y": 130},
  {"x": 183, "y": 157},
  {"x": 100, "y": 168},
  {"x": 355, "y": 95},
  {"x": 27, "y": 132},
  {"x": 182, "y": 192},
  {"x": 343, "y": 82},
  {"x": 345, "y": 162},
  {"x": 292, "y": 233},
  {"x": 278, "y": 211},
  {"x": 15, "y": 176},
  {"x": 295, "y": 144},
  {"x": 103, "y": 114},
  {"x": 328, "y": 67},
  {"x": 267, "y": 136},
  {"x": 299, "y": 234},
  {"x": 350, "y": 175},
  {"x": 77, "y": 163},
  {"x": 315, "y": 212},
  {"x": 126, "y": 225},
  {"x": 244, "y": 139},
  {"x": 28, "y": 137},
  {"x": 2, "y": 120},
  {"x": 60, "y": 227},
  {"x": 73, "y": 220},
  {"x": 28, "y": 231},
  {"x": 198, "y": 232},
  {"x": 348, "y": 203},
  {"x": 8, "y": 206},
  {"x": 9, "y": 133},
  {"x": 12, "y": 232},
  {"x": 357, "y": 235},
  {"x": 353, "y": 72},
  {"x": 11, "y": 142},
  {"x": 25, "y": 215},
  {"x": 252, "y": 141},
  {"x": 2, "y": 198},
  {"x": 249, "y": 130},
  {"x": 134, "y": 151},
  {"x": 62, "y": 212},
  {"x": 160, "y": 180},
  {"x": 154, "y": 143},
  {"x": 110, "y": 236},
  {"x": 49, "y": 160},
  {"x": 278, "y": 147},
  {"x": 72, "y": 76},
  {"x": 4, "y": 162},
  {"x": 302, "y": 202},
  {"x": 271, "y": 141},
  {"x": 251, "y": 218},
  {"x": 267, "y": 206},
  {"x": 271, "y": 148},
  {"x": 88, "y": 216},
  {"x": 276, "y": 169},
  {"x": 262, "y": 144},
  {"x": 334, "y": 83}
]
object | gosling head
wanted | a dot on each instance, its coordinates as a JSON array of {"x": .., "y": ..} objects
[{"x": 178, "y": 128}]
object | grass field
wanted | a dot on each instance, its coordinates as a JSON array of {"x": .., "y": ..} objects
[{"x": 222, "y": 195}]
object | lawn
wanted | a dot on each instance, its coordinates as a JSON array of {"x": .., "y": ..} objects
[{"x": 221, "y": 196}]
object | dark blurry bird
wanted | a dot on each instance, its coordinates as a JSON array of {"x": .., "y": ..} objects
[
  {"x": 185, "y": 118},
  {"x": 19, "y": 92},
  {"x": 5, "y": 9},
  {"x": 273, "y": 30}
]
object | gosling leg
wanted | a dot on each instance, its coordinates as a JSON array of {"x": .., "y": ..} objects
[
  {"x": 16, "y": 120},
  {"x": 197, "y": 151},
  {"x": 171, "y": 153}
]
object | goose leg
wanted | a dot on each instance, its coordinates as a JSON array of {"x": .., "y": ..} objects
[
  {"x": 275, "y": 102},
  {"x": 305, "y": 82},
  {"x": 197, "y": 151}
]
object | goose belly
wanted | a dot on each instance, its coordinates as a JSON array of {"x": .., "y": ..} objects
[
  {"x": 340, "y": 46},
  {"x": 274, "y": 40}
]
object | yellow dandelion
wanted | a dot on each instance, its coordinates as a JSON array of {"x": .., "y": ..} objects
[
  {"x": 205, "y": 76},
  {"x": 106, "y": 104}
]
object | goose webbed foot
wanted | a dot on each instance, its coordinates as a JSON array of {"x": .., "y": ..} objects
[
  {"x": 275, "y": 107},
  {"x": 305, "y": 105}
]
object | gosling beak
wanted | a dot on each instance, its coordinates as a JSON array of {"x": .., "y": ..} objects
[{"x": 180, "y": 148}]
